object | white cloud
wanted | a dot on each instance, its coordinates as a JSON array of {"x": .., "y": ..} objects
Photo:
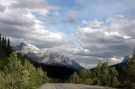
[
  {"x": 106, "y": 41},
  {"x": 18, "y": 22},
  {"x": 31, "y": 5},
  {"x": 97, "y": 40},
  {"x": 88, "y": 66}
]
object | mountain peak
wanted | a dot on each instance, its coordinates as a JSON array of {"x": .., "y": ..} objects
[
  {"x": 24, "y": 44},
  {"x": 25, "y": 47},
  {"x": 46, "y": 56}
]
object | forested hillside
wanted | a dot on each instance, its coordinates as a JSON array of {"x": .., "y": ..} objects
[
  {"x": 20, "y": 72},
  {"x": 54, "y": 71},
  {"x": 17, "y": 72},
  {"x": 121, "y": 75}
]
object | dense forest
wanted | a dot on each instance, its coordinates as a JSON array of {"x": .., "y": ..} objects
[
  {"x": 55, "y": 72},
  {"x": 19, "y": 72},
  {"x": 120, "y": 75}
]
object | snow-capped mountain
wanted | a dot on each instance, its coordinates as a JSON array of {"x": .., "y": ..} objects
[{"x": 46, "y": 57}]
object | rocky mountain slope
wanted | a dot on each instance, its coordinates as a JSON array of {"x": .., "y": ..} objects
[{"x": 46, "y": 57}]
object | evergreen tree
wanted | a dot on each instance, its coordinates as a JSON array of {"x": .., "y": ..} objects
[
  {"x": 21, "y": 76},
  {"x": 129, "y": 70},
  {"x": 5, "y": 51},
  {"x": 16, "y": 72},
  {"x": 104, "y": 74},
  {"x": 85, "y": 76},
  {"x": 74, "y": 78},
  {"x": 96, "y": 74},
  {"x": 88, "y": 81},
  {"x": 114, "y": 77}
]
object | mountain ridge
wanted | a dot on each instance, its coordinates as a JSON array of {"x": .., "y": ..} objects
[{"x": 46, "y": 57}]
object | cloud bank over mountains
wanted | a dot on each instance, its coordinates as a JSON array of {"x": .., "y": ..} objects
[
  {"x": 112, "y": 38},
  {"x": 18, "y": 22}
]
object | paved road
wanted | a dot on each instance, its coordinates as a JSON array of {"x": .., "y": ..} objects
[{"x": 70, "y": 86}]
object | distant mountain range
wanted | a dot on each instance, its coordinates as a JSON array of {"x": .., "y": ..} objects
[{"x": 46, "y": 57}]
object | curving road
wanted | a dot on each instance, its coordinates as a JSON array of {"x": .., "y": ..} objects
[{"x": 70, "y": 86}]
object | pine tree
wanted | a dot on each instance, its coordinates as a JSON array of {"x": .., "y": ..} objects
[
  {"x": 41, "y": 77},
  {"x": 22, "y": 76},
  {"x": 114, "y": 77},
  {"x": 8, "y": 48},
  {"x": 88, "y": 81},
  {"x": 17, "y": 72},
  {"x": 85, "y": 76},
  {"x": 105, "y": 76},
  {"x": 96, "y": 74},
  {"x": 129, "y": 69},
  {"x": 74, "y": 78}
]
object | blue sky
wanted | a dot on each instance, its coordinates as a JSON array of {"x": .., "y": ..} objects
[
  {"x": 86, "y": 10},
  {"x": 87, "y": 31}
]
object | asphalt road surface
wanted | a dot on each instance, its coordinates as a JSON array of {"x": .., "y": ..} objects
[{"x": 70, "y": 86}]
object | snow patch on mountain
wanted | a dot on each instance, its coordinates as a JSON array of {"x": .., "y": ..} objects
[{"x": 46, "y": 56}]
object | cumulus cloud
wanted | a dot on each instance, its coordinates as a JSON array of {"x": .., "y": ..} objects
[
  {"x": 19, "y": 23},
  {"x": 97, "y": 40},
  {"x": 31, "y": 5},
  {"x": 2, "y": 8},
  {"x": 108, "y": 40}
]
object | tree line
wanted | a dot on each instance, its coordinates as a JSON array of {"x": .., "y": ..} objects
[
  {"x": 17, "y": 72},
  {"x": 102, "y": 75},
  {"x": 120, "y": 75},
  {"x": 20, "y": 72}
]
